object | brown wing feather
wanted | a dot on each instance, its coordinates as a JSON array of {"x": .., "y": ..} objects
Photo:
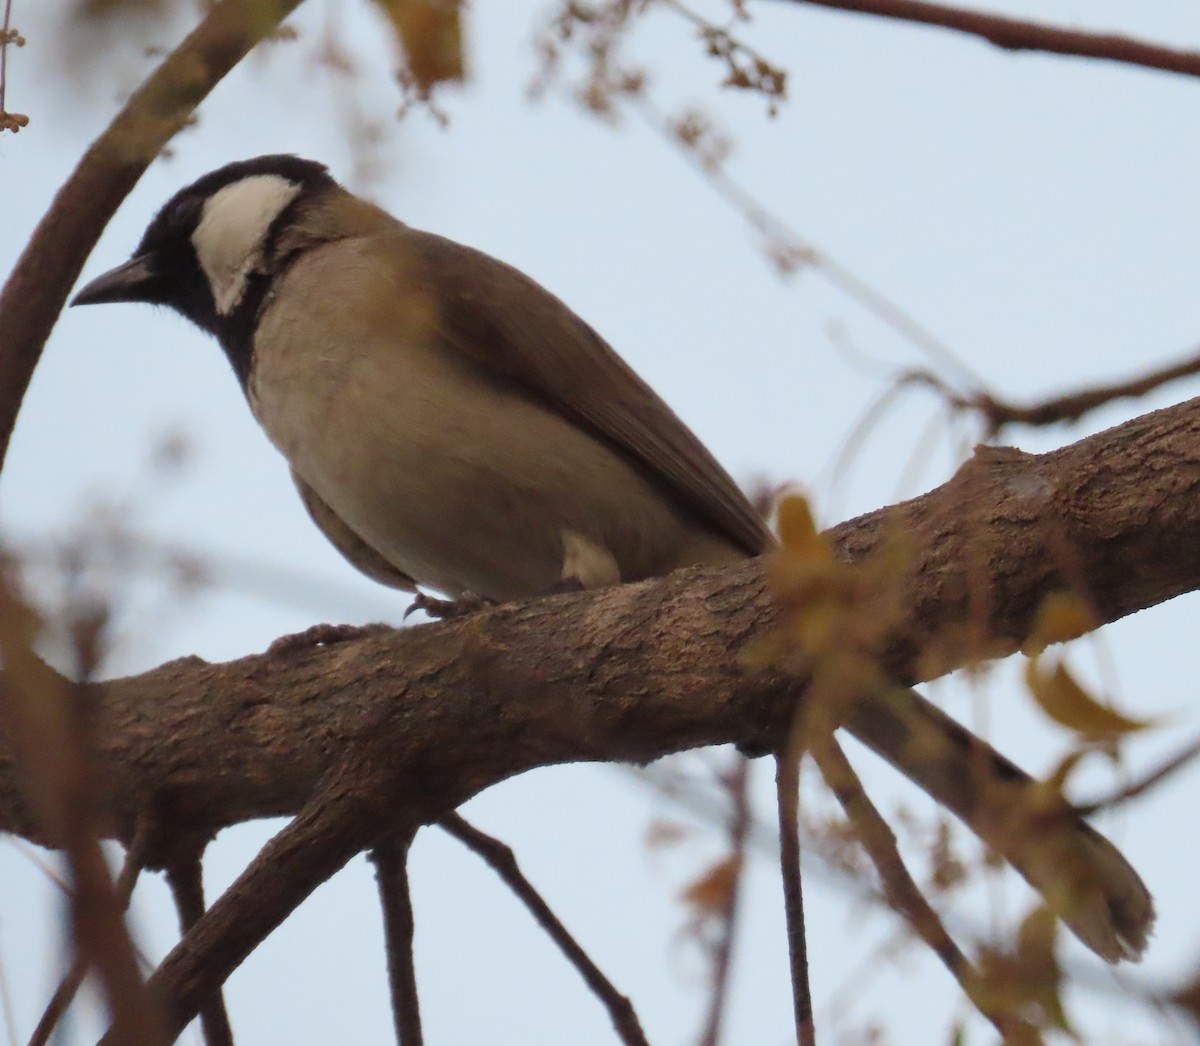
[
  {"x": 486, "y": 308},
  {"x": 356, "y": 551}
]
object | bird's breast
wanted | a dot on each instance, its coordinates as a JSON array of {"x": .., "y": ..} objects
[{"x": 458, "y": 479}]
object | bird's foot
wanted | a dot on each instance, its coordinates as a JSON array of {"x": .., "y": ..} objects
[
  {"x": 322, "y": 635},
  {"x": 448, "y": 609}
]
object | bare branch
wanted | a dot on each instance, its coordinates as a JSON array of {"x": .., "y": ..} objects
[
  {"x": 1014, "y": 34},
  {"x": 391, "y": 871},
  {"x": 898, "y": 887},
  {"x": 185, "y": 877},
  {"x": 1143, "y": 784},
  {"x": 998, "y": 414},
  {"x": 503, "y": 862},
  {"x": 735, "y": 781},
  {"x": 9, "y": 37},
  {"x": 52, "y": 260},
  {"x": 787, "y": 786},
  {"x": 344, "y": 817}
]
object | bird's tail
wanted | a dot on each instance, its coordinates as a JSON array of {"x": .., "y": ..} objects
[{"x": 1082, "y": 876}]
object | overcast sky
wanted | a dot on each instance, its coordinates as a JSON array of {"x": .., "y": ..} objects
[{"x": 1036, "y": 214}]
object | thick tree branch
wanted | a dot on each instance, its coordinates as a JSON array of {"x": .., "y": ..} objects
[
  {"x": 1014, "y": 34},
  {"x": 50, "y": 264},
  {"x": 635, "y": 672}
]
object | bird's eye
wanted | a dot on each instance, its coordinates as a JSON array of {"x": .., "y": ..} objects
[{"x": 185, "y": 214}]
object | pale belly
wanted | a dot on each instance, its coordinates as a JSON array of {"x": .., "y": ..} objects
[{"x": 463, "y": 485}]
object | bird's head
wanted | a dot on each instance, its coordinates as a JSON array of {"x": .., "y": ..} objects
[{"x": 210, "y": 243}]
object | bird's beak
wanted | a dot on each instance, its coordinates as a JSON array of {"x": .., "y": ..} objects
[{"x": 136, "y": 280}]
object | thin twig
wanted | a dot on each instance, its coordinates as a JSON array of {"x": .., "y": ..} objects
[
  {"x": 787, "y": 786},
  {"x": 503, "y": 862},
  {"x": 391, "y": 872},
  {"x": 340, "y": 819},
  {"x": 1142, "y": 785},
  {"x": 4, "y": 39},
  {"x": 8, "y": 38},
  {"x": 736, "y": 781},
  {"x": 1013, "y": 34},
  {"x": 63, "y": 996},
  {"x": 998, "y": 414},
  {"x": 185, "y": 877},
  {"x": 901, "y": 892}
]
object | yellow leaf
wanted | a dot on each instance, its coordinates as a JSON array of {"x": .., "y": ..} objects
[
  {"x": 1063, "y": 616},
  {"x": 430, "y": 34},
  {"x": 711, "y": 892},
  {"x": 798, "y": 530},
  {"x": 662, "y": 833},
  {"x": 1070, "y": 705}
]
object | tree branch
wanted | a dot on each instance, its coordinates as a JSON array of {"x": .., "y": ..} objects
[
  {"x": 1013, "y": 34},
  {"x": 902, "y": 892},
  {"x": 347, "y": 814},
  {"x": 391, "y": 870},
  {"x": 185, "y": 877},
  {"x": 556, "y": 674},
  {"x": 503, "y": 862},
  {"x": 735, "y": 781},
  {"x": 634, "y": 672},
  {"x": 997, "y": 414},
  {"x": 51, "y": 262},
  {"x": 431, "y": 716},
  {"x": 787, "y": 804}
]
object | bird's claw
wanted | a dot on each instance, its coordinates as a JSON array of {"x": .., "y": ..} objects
[{"x": 447, "y": 609}]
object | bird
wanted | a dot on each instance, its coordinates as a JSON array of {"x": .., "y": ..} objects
[{"x": 450, "y": 424}]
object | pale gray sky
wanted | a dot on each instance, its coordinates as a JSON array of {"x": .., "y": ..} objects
[{"x": 1037, "y": 214}]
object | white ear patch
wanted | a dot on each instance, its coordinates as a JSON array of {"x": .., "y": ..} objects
[{"x": 232, "y": 230}]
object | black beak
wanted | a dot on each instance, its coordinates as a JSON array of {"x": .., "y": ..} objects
[{"x": 136, "y": 280}]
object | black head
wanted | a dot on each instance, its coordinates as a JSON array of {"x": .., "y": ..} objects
[{"x": 204, "y": 252}]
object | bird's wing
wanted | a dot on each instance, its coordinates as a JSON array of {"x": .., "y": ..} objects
[
  {"x": 513, "y": 328},
  {"x": 349, "y": 544}
]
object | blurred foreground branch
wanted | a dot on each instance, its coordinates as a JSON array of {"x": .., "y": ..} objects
[{"x": 37, "y": 289}]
